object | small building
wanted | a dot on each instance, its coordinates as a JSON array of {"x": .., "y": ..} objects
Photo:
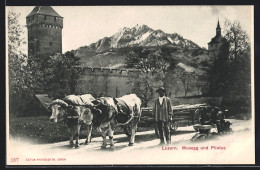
[{"x": 39, "y": 105}]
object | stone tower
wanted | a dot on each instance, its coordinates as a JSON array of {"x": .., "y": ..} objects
[
  {"x": 218, "y": 42},
  {"x": 44, "y": 32}
]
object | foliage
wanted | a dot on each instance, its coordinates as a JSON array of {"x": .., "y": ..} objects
[
  {"x": 20, "y": 80},
  {"x": 185, "y": 78},
  {"x": 154, "y": 65},
  {"x": 239, "y": 56},
  {"x": 238, "y": 40},
  {"x": 196, "y": 52},
  {"x": 62, "y": 75},
  {"x": 218, "y": 72},
  {"x": 165, "y": 65},
  {"x": 229, "y": 69},
  {"x": 57, "y": 75},
  {"x": 144, "y": 60}
]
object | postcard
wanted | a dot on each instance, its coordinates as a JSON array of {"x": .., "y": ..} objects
[{"x": 130, "y": 85}]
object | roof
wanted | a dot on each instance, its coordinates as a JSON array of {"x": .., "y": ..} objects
[
  {"x": 45, "y": 10},
  {"x": 218, "y": 26},
  {"x": 190, "y": 69},
  {"x": 187, "y": 68},
  {"x": 218, "y": 39},
  {"x": 44, "y": 100}
]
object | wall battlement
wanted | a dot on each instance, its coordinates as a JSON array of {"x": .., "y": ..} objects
[{"x": 109, "y": 72}]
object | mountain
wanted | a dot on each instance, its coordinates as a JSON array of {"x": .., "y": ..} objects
[
  {"x": 140, "y": 36},
  {"x": 110, "y": 52}
]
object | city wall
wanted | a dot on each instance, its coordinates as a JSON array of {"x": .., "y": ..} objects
[
  {"x": 106, "y": 82},
  {"x": 119, "y": 82}
]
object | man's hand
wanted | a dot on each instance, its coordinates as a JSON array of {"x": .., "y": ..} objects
[{"x": 170, "y": 117}]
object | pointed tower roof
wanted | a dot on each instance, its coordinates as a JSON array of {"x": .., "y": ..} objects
[
  {"x": 218, "y": 38},
  {"x": 218, "y": 26},
  {"x": 45, "y": 10}
]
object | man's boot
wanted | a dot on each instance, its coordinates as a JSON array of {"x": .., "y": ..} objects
[
  {"x": 161, "y": 142},
  {"x": 168, "y": 142},
  {"x": 160, "y": 129}
]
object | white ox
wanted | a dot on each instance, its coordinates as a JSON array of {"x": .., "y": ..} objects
[{"x": 74, "y": 110}]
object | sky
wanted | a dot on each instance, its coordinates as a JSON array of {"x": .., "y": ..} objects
[{"x": 84, "y": 25}]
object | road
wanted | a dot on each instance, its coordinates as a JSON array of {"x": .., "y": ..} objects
[{"x": 235, "y": 147}]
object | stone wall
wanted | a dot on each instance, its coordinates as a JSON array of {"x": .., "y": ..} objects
[
  {"x": 119, "y": 82},
  {"x": 106, "y": 82}
]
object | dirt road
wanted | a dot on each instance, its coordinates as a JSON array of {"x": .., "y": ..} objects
[{"x": 236, "y": 147}]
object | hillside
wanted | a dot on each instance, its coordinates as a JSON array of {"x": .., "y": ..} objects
[{"x": 110, "y": 52}]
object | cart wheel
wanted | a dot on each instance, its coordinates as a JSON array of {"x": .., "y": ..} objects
[
  {"x": 174, "y": 126},
  {"x": 127, "y": 130},
  {"x": 196, "y": 118}
]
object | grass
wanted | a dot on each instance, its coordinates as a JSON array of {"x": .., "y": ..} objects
[{"x": 38, "y": 129}]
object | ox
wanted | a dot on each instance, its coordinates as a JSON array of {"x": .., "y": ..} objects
[
  {"x": 74, "y": 111},
  {"x": 117, "y": 111}
]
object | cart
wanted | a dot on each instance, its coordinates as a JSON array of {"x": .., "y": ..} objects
[{"x": 183, "y": 115}]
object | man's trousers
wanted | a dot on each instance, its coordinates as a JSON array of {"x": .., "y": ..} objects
[{"x": 164, "y": 131}]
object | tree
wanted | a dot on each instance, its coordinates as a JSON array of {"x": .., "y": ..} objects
[
  {"x": 143, "y": 60},
  {"x": 165, "y": 65},
  {"x": 62, "y": 75},
  {"x": 185, "y": 78},
  {"x": 240, "y": 64},
  {"x": 155, "y": 66},
  {"x": 239, "y": 53},
  {"x": 238, "y": 40},
  {"x": 20, "y": 82},
  {"x": 198, "y": 83},
  {"x": 229, "y": 70}
]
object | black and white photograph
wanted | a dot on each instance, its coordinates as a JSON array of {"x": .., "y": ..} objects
[{"x": 130, "y": 85}]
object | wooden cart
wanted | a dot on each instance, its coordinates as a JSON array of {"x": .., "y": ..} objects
[{"x": 183, "y": 115}]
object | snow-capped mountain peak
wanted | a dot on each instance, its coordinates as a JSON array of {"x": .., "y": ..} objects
[{"x": 141, "y": 35}]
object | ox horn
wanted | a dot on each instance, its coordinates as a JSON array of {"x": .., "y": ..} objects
[
  {"x": 115, "y": 101},
  {"x": 96, "y": 102}
]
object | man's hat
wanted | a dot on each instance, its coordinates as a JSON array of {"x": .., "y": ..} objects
[{"x": 160, "y": 89}]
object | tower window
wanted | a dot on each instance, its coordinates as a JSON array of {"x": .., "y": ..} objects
[
  {"x": 45, "y": 17},
  {"x": 55, "y": 18},
  {"x": 50, "y": 43}
]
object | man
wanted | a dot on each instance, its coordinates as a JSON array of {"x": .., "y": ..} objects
[{"x": 162, "y": 115}]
